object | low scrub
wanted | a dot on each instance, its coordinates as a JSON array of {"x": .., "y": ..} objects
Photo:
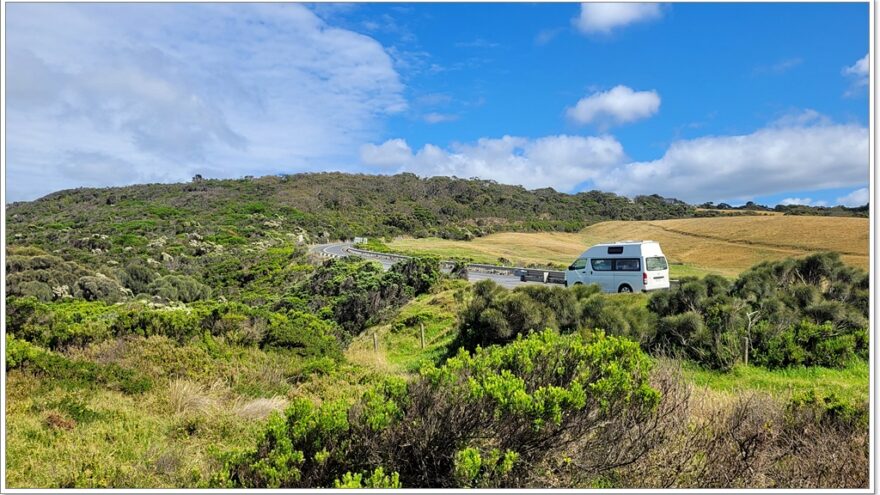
[
  {"x": 71, "y": 373},
  {"x": 494, "y": 315},
  {"x": 498, "y": 417},
  {"x": 811, "y": 312}
]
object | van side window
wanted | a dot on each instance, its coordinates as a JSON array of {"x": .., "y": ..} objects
[
  {"x": 579, "y": 264},
  {"x": 615, "y": 250},
  {"x": 601, "y": 265},
  {"x": 627, "y": 265},
  {"x": 656, "y": 263}
]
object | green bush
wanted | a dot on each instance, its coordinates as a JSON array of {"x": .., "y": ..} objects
[
  {"x": 70, "y": 373},
  {"x": 787, "y": 313},
  {"x": 179, "y": 288},
  {"x": 355, "y": 292},
  {"x": 494, "y": 315},
  {"x": 481, "y": 419},
  {"x": 303, "y": 333}
]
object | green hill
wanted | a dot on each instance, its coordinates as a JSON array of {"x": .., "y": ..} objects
[{"x": 319, "y": 206}]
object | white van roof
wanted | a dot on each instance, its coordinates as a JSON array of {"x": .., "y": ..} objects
[{"x": 629, "y": 248}]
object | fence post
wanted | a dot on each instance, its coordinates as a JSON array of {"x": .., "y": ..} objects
[
  {"x": 375, "y": 342},
  {"x": 422, "y": 334}
]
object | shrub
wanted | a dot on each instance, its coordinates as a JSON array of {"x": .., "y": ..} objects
[
  {"x": 792, "y": 312},
  {"x": 99, "y": 289},
  {"x": 138, "y": 277},
  {"x": 482, "y": 419},
  {"x": 356, "y": 293},
  {"x": 179, "y": 288},
  {"x": 70, "y": 373},
  {"x": 496, "y": 316},
  {"x": 305, "y": 334}
]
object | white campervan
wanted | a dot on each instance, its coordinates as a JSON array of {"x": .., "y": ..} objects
[{"x": 622, "y": 266}]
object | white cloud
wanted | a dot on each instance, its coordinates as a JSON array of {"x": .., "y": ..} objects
[
  {"x": 807, "y": 156},
  {"x": 165, "y": 90},
  {"x": 802, "y": 201},
  {"x": 602, "y": 18},
  {"x": 859, "y": 197},
  {"x": 391, "y": 153},
  {"x": 561, "y": 162},
  {"x": 858, "y": 73},
  {"x": 858, "y": 69},
  {"x": 801, "y": 152},
  {"x": 619, "y": 105},
  {"x": 796, "y": 201}
]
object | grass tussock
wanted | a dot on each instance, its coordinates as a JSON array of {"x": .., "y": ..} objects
[{"x": 259, "y": 409}]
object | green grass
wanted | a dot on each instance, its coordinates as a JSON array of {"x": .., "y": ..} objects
[
  {"x": 201, "y": 404},
  {"x": 108, "y": 439},
  {"x": 850, "y": 383},
  {"x": 400, "y": 348}
]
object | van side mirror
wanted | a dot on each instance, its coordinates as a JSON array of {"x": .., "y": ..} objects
[{"x": 571, "y": 266}]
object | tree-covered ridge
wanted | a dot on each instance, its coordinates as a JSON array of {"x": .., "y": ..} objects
[{"x": 314, "y": 207}]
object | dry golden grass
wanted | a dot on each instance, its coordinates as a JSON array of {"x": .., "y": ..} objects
[
  {"x": 259, "y": 409},
  {"x": 723, "y": 245},
  {"x": 362, "y": 353},
  {"x": 185, "y": 396}
]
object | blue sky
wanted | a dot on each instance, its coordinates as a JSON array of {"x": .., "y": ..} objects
[{"x": 703, "y": 102}]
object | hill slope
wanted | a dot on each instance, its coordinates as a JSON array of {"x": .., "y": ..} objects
[{"x": 318, "y": 206}]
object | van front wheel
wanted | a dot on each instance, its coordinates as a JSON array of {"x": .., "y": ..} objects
[{"x": 624, "y": 289}]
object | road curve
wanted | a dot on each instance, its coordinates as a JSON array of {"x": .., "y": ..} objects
[{"x": 340, "y": 249}]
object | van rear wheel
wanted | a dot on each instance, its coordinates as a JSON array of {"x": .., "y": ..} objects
[{"x": 624, "y": 289}]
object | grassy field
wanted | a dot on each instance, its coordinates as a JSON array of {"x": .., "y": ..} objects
[
  {"x": 695, "y": 246},
  {"x": 849, "y": 383}
]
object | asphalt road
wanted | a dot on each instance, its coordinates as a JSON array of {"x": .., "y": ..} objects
[{"x": 341, "y": 249}]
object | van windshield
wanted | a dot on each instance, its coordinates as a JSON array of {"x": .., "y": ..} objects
[{"x": 656, "y": 263}]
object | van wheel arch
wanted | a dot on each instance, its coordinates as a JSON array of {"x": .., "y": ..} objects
[{"x": 624, "y": 288}]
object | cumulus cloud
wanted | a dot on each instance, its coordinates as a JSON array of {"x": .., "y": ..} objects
[
  {"x": 858, "y": 73},
  {"x": 603, "y": 18},
  {"x": 810, "y": 155},
  {"x": 796, "y": 201},
  {"x": 858, "y": 69},
  {"x": 805, "y": 151},
  {"x": 619, "y": 105},
  {"x": 859, "y": 197},
  {"x": 167, "y": 90},
  {"x": 561, "y": 162},
  {"x": 802, "y": 201}
]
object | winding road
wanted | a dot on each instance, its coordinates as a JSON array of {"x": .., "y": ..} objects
[{"x": 475, "y": 272}]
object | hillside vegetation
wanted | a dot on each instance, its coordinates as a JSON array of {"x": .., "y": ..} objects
[
  {"x": 722, "y": 245},
  {"x": 317, "y": 207},
  {"x": 184, "y": 336}
]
